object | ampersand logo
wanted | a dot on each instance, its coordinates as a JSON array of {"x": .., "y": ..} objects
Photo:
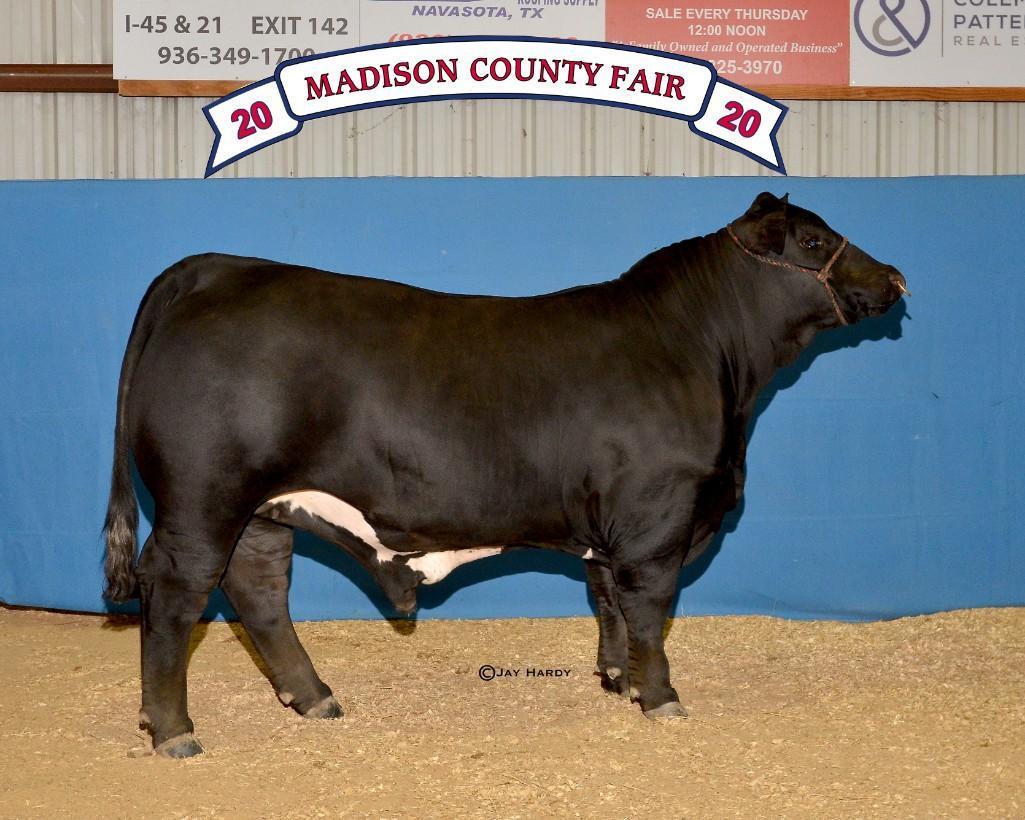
[{"x": 892, "y": 27}]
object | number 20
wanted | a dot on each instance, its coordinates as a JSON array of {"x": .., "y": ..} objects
[
  {"x": 258, "y": 115},
  {"x": 749, "y": 120}
]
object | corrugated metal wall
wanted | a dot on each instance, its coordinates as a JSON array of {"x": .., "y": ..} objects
[{"x": 60, "y": 136}]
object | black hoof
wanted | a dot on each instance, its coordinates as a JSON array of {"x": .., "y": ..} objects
[
  {"x": 327, "y": 709},
  {"x": 180, "y": 746},
  {"x": 671, "y": 709}
]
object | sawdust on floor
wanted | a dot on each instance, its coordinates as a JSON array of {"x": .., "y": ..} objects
[{"x": 916, "y": 717}]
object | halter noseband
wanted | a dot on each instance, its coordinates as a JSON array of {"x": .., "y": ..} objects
[{"x": 822, "y": 275}]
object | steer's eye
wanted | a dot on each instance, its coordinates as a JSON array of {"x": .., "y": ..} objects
[{"x": 811, "y": 243}]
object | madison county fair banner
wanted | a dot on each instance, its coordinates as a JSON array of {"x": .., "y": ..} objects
[
  {"x": 937, "y": 43},
  {"x": 495, "y": 67}
]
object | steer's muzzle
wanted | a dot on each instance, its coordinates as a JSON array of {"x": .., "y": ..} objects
[
  {"x": 898, "y": 281},
  {"x": 873, "y": 293}
]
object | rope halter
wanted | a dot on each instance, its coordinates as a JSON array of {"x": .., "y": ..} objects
[{"x": 822, "y": 274}]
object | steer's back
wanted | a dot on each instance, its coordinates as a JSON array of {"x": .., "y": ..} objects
[{"x": 237, "y": 320}]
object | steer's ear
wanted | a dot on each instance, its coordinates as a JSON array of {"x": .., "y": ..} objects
[{"x": 764, "y": 227}]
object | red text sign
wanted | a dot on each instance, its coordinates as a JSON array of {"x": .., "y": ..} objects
[{"x": 772, "y": 42}]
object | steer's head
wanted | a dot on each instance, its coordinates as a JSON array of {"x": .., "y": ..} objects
[{"x": 854, "y": 284}]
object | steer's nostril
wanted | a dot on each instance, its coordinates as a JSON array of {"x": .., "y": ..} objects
[{"x": 899, "y": 282}]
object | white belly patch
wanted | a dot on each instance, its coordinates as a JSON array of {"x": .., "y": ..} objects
[{"x": 434, "y": 565}]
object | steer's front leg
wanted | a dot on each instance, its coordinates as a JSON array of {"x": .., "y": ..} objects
[{"x": 646, "y": 585}]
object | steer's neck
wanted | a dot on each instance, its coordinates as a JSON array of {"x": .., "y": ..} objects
[{"x": 729, "y": 313}]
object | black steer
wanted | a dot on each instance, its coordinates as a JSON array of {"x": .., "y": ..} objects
[{"x": 420, "y": 430}]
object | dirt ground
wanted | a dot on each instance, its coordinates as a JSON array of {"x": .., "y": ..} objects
[{"x": 920, "y": 717}]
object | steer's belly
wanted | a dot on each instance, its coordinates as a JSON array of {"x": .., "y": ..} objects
[{"x": 331, "y": 514}]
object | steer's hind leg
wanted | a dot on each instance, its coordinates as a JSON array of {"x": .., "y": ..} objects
[
  {"x": 613, "y": 654},
  {"x": 256, "y": 583},
  {"x": 646, "y": 586},
  {"x": 176, "y": 574}
]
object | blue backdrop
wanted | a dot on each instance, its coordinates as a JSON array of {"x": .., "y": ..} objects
[{"x": 885, "y": 480}]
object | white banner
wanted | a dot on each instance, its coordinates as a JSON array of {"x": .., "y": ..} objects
[
  {"x": 495, "y": 67},
  {"x": 938, "y": 43},
  {"x": 206, "y": 40},
  {"x": 388, "y": 21},
  {"x": 232, "y": 40}
]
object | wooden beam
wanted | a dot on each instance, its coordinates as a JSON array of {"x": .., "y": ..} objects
[
  {"x": 215, "y": 88},
  {"x": 177, "y": 88},
  {"x": 57, "y": 77}
]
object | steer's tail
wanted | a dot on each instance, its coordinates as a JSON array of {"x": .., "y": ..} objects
[{"x": 122, "y": 511}]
